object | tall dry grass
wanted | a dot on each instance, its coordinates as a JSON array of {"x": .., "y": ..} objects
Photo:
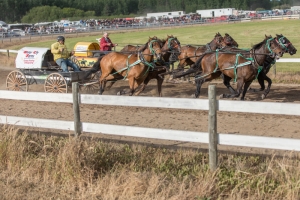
[{"x": 36, "y": 166}]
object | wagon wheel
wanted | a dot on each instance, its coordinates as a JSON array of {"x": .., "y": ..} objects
[
  {"x": 55, "y": 82},
  {"x": 88, "y": 87},
  {"x": 16, "y": 81},
  {"x": 77, "y": 62}
]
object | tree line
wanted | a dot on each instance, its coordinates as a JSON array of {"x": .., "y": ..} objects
[{"x": 31, "y": 11}]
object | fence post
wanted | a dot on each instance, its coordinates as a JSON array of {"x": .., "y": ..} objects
[
  {"x": 76, "y": 110},
  {"x": 7, "y": 53},
  {"x": 212, "y": 128}
]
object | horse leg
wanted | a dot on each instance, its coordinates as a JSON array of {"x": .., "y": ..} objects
[
  {"x": 110, "y": 85},
  {"x": 263, "y": 96},
  {"x": 226, "y": 82},
  {"x": 237, "y": 93},
  {"x": 199, "y": 83},
  {"x": 146, "y": 81},
  {"x": 132, "y": 83},
  {"x": 102, "y": 86},
  {"x": 246, "y": 86},
  {"x": 160, "y": 81},
  {"x": 261, "y": 78}
]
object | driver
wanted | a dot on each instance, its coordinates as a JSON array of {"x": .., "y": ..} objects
[{"x": 61, "y": 55}]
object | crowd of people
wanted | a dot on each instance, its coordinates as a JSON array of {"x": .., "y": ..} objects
[{"x": 127, "y": 22}]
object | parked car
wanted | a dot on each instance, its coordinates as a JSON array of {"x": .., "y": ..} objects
[
  {"x": 77, "y": 28},
  {"x": 18, "y": 31},
  {"x": 10, "y": 34}
]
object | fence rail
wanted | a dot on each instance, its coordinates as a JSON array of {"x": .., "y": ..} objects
[{"x": 212, "y": 105}]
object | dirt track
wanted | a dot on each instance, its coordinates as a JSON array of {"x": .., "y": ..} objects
[{"x": 233, "y": 123}]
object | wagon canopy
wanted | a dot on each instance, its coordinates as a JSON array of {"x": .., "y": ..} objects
[
  {"x": 86, "y": 49},
  {"x": 32, "y": 57}
]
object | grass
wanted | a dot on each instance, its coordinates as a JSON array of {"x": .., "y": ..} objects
[
  {"x": 38, "y": 166},
  {"x": 246, "y": 34}
]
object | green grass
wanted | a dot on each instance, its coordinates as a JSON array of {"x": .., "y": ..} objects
[{"x": 246, "y": 34}]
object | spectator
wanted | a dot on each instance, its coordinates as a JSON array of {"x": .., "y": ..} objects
[{"x": 61, "y": 55}]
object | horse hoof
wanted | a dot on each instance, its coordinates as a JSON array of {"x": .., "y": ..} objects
[
  {"x": 119, "y": 93},
  {"x": 263, "y": 96},
  {"x": 221, "y": 96},
  {"x": 193, "y": 96}
]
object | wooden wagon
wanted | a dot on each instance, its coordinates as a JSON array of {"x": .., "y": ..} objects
[{"x": 35, "y": 65}]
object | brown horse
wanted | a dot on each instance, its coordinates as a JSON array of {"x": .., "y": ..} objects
[
  {"x": 170, "y": 47},
  {"x": 129, "y": 49},
  {"x": 285, "y": 45},
  {"x": 190, "y": 54},
  {"x": 236, "y": 66},
  {"x": 135, "y": 67}
]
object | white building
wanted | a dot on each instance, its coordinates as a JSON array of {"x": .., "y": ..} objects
[
  {"x": 166, "y": 14},
  {"x": 216, "y": 12},
  {"x": 3, "y": 26}
]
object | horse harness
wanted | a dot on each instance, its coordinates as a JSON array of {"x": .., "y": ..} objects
[
  {"x": 141, "y": 59},
  {"x": 251, "y": 60}
]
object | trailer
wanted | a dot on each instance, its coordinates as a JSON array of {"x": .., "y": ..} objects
[
  {"x": 171, "y": 14},
  {"x": 216, "y": 12}
]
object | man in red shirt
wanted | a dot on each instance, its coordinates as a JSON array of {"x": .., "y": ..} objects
[{"x": 105, "y": 43}]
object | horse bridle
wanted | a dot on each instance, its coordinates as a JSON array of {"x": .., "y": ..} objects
[
  {"x": 152, "y": 50},
  {"x": 269, "y": 48},
  {"x": 284, "y": 46},
  {"x": 170, "y": 47},
  {"x": 271, "y": 54}
]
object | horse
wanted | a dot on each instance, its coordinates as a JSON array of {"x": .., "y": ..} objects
[
  {"x": 134, "y": 67},
  {"x": 129, "y": 49},
  {"x": 236, "y": 66},
  {"x": 288, "y": 47},
  {"x": 170, "y": 49},
  {"x": 190, "y": 54},
  {"x": 170, "y": 46}
]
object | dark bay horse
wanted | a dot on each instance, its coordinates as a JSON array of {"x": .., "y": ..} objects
[
  {"x": 134, "y": 67},
  {"x": 244, "y": 69},
  {"x": 287, "y": 47},
  {"x": 190, "y": 54}
]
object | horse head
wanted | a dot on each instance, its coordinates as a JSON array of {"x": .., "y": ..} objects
[
  {"x": 229, "y": 41},
  {"x": 218, "y": 41},
  {"x": 285, "y": 44},
  {"x": 173, "y": 43},
  {"x": 154, "y": 46},
  {"x": 273, "y": 47}
]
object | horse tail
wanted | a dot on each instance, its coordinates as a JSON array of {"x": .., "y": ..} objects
[
  {"x": 196, "y": 67},
  {"x": 197, "y": 64}
]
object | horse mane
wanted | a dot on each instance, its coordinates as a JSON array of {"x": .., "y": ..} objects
[
  {"x": 146, "y": 45},
  {"x": 258, "y": 45}
]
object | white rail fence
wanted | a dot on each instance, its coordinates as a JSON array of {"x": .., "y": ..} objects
[
  {"x": 212, "y": 138},
  {"x": 283, "y": 60}
]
